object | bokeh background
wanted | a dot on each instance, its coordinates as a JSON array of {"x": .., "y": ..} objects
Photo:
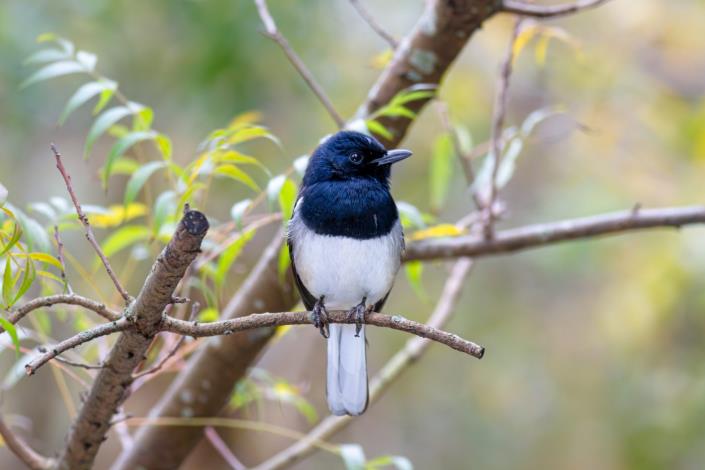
[{"x": 596, "y": 357}]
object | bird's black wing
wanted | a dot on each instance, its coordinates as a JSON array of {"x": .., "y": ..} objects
[
  {"x": 380, "y": 304},
  {"x": 306, "y": 297}
]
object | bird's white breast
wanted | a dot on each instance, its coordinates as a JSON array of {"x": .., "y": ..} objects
[{"x": 343, "y": 269}]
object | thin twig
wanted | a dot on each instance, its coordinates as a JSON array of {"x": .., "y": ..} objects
[
  {"x": 500, "y": 111},
  {"x": 195, "y": 307},
  {"x": 222, "y": 448},
  {"x": 411, "y": 352},
  {"x": 89, "y": 231},
  {"x": 82, "y": 365},
  {"x": 373, "y": 24},
  {"x": 77, "y": 340},
  {"x": 548, "y": 11},
  {"x": 262, "y": 320},
  {"x": 68, "y": 299},
  {"x": 272, "y": 32},
  {"x": 22, "y": 449},
  {"x": 60, "y": 257}
]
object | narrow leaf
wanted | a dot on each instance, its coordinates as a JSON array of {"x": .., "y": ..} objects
[
  {"x": 83, "y": 94},
  {"x": 139, "y": 178},
  {"x": 441, "y": 170},
  {"x": 57, "y": 69},
  {"x": 124, "y": 237},
  {"x": 102, "y": 123},
  {"x": 120, "y": 147},
  {"x": 12, "y": 331},
  {"x": 233, "y": 172}
]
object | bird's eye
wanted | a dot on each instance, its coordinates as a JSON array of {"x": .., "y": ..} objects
[{"x": 356, "y": 158}]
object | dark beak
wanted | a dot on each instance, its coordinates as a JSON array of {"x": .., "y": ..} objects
[{"x": 392, "y": 156}]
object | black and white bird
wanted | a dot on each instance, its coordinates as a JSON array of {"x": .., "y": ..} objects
[{"x": 346, "y": 242}]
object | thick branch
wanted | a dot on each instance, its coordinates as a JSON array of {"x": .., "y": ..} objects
[
  {"x": 22, "y": 450},
  {"x": 89, "y": 231},
  {"x": 410, "y": 353},
  {"x": 213, "y": 370},
  {"x": 424, "y": 56},
  {"x": 531, "y": 236},
  {"x": 548, "y": 11},
  {"x": 112, "y": 384},
  {"x": 261, "y": 320},
  {"x": 272, "y": 32}
]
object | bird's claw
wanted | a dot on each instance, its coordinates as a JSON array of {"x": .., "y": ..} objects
[
  {"x": 358, "y": 313},
  {"x": 320, "y": 318}
]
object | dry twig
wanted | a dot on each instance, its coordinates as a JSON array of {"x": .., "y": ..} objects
[
  {"x": 548, "y": 11},
  {"x": 87, "y": 226},
  {"x": 273, "y": 33}
]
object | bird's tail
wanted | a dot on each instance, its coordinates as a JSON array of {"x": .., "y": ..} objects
[{"x": 347, "y": 370}]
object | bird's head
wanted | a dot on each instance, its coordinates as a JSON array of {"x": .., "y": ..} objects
[{"x": 349, "y": 155}]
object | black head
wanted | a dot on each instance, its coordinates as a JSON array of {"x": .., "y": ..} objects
[{"x": 348, "y": 155}]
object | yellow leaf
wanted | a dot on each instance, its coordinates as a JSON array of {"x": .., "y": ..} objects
[
  {"x": 522, "y": 40},
  {"x": 248, "y": 117},
  {"x": 541, "y": 50},
  {"x": 117, "y": 215},
  {"x": 379, "y": 61},
  {"x": 442, "y": 230}
]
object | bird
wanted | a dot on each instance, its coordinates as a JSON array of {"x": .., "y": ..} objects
[{"x": 345, "y": 243}]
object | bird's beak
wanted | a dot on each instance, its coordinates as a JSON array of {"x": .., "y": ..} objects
[{"x": 392, "y": 156}]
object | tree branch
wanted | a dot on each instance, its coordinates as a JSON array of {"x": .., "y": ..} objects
[
  {"x": 268, "y": 320},
  {"x": 75, "y": 341},
  {"x": 499, "y": 113},
  {"x": 369, "y": 19},
  {"x": 112, "y": 384},
  {"x": 410, "y": 353},
  {"x": 89, "y": 231},
  {"x": 68, "y": 299},
  {"x": 531, "y": 236},
  {"x": 273, "y": 33},
  {"x": 548, "y": 11},
  {"x": 22, "y": 450}
]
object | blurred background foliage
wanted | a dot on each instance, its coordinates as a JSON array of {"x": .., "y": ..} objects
[{"x": 595, "y": 351}]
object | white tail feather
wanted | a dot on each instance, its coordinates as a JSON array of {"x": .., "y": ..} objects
[{"x": 347, "y": 370}]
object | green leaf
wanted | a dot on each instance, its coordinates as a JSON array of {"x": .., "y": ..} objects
[
  {"x": 441, "y": 170},
  {"x": 376, "y": 128},
  {"x": 251, "y": 133},
  {"x": 12, "y": 331},
  {"x": 164, "y": 146},
  {"x": 283, "y": 261},
  {"x": 238, "y": 210},
  {"x": 208, "y": 315},
  {"x": 164, "y": 206},
  {"x": 83, "y": 94},
  {"x": 65, "y": 44},
  {"x": 231, "y": 253},
  {"x": 232, "y": 156},
  {"x": 274, "y": 186},
  {"x": 124, "y": 237},
  {"x": 287, "y": 197},
  {"x": 104, "y": 98},
  {"x": 45, "y": 258},
  {"x": 414, "y": 271},
  {"x": 7, "y": 283},
  {"x": 508, "y": 163},
  {"x": 139, "y": 178},
  {"x": 27, "y": 280},
  {"x": 103, "y": 122},
  {"x": 120, "y": 147},
  {"x": 16, "y": 234},
  {"x": 410, "y": 215},
  {"x": 57, "y": 69},
  {"x": 233, "y": 172},
  {"x": 143, "y": 119},
  {"x": 87, "y": 60},
  {"x": 125, "y": 166},
  {"x": 353, "y": 456},
  {"x": 47, "y": 55}
]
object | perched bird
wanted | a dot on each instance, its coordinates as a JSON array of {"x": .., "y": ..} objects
[{"x": 345, "y": 242}]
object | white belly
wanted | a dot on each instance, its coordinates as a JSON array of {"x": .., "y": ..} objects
[{"x": 346, "y": 270}]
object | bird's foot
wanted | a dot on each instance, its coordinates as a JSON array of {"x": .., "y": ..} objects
[
  {"x": 320, "y": 317},
  {"x": 358, "y": 313}
]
